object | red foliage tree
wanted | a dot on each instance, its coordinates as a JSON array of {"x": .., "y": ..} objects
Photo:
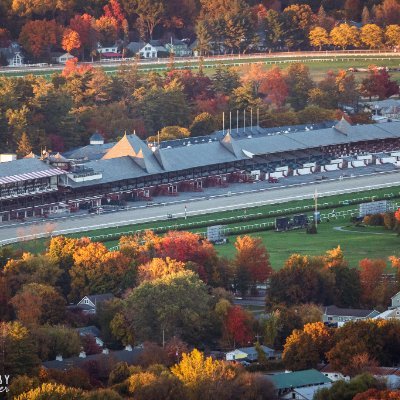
[
  {"x": 252, "y": 255},
  {"x": 90, "y": 345},
  {"x": 72, "y": 67},
  {"x": 238, "y": 326},
  {"x": 37, "y": 37},
  {"x": 371, "y": 272},
  {"x": 376, "y": 394},
  {"x": 378, "y": 84},
  {"x": 397, "y": 215},
  {"x": 83, "y": 25}
]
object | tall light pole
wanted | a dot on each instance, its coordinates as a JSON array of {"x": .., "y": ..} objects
[{"x": 237, "y": 121}]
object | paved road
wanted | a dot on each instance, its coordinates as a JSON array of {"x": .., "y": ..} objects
[{"x": 15, "y": 232}]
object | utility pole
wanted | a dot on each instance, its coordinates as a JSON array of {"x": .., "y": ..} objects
[
  {"x": 223, "y": 122},
  {"x": 237, "y": 121},
  {"x": 185, "y": 212},
  {"x": 315, "y": 208},
  {"x": 251, "y": 119},
  {"x": 244, "y": 120}
]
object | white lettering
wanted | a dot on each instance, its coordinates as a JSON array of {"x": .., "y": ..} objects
[{"x": 6, "y": 377}]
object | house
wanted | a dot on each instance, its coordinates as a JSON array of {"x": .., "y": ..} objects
[
  {"x": 107, "y": 49},
  {"x": 333, "y": 375},
  {"x": 396, "y": 301},
  {"x": 339, "y": 316},
  {"x": 107, "y": 357},
  {"x": 178, "y": 48},
  {"x": 135, "y": 47},
  {"x": 61, "y": 58},
  {"x": 286, "y": 382},
  {"x": 96, "y": 138},
  {"x": 248, "y": 354},
  {"x": 93, "y": 331},
  {"x": 306, "y": 393},
  {"x": 13, "y": 55},
  {"x": 153, "y": 49},
  {"x": 89, "y": 303}
]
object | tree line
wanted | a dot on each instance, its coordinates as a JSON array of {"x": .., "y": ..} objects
[
  {"x": 63, "y": 112},
  {"x": 218, "y": 26}
]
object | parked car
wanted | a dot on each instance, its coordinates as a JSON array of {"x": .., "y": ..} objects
[{"x": 271, "y": 179}]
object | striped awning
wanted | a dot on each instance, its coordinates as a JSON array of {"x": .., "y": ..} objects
[{"x": 31, "y": 175}]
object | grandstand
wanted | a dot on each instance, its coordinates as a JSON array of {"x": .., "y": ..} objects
[{"x": 132, "y": 169}]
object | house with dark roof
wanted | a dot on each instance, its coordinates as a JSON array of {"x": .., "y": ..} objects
[
  {"x": 107, "y": 357},
  {"x": 13, "y": 54},
  {"x": 89, "y": 304},
  {"x": 178, "y": 48},
  {"x": 339, "y": 316},
  {"x": 91, "y": 331},
  {"x": 286, "y": 382},
  {"x": 248, "y": 354}
]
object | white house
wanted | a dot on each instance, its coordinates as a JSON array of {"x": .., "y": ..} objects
[
  {"x": 13, "y": 55},
  {"x": 89, "y": 303},
  {"x": 249, "y": 353},
  {"x": 62, "y": 58},
  {"x": 178, "y": 48},
  {"x": 339, "y": 316},
  {"x": 152, "y": 49},
  {"x": 107, "y": 49},
  {"x": 393, "y": 311}
]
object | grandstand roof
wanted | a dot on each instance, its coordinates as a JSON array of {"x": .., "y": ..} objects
[
  {"x": 131, "y": 157},
  {"x": 25, "y": 169}
]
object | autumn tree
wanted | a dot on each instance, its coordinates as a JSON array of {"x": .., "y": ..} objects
[
  {"x": 376, "y": 394},
  {"x": 107, "y": 28},
  {"x": 299, "y": 83},
  {"x": 71, "y": 40},
  {"x": 252, "y": 256},
  {"x": 17, "y": 350},
  {"x": 39, "y": 303},
  {"x": 175, "y": 304},
  {"x": 149, "y": 13},
  {"x": 53, "y": 391},
  {"x": 392, "y": 35},
  {"x": 274, "y": 87},
  {"x": 371, "y": 35},
  {"x": 203, "y": 124},
  {"x": 238, "y": 326},
  {"x": 24, "y": 145},
  {"x": 85, "y": 27},
  {"x": 97, "y": 270},
  {"x": 344, "y": 36},
  {"x": 203, "y": 38},
  {"x": 38, "y": 37},
  {"x": 318, "y": 38},
  {"x": 158, "y": 267},
  {"x": 378, "y": 83}
]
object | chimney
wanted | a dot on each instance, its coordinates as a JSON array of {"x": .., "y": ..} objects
[
  {"x": 59, "y": 357},
  {"x": 82, "y": 354},
  {"x": 128, "y": 347}
]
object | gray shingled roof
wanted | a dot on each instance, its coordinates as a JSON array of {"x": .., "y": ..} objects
[
  {"x": 24, "y": 166},
  {"x": 131, "y": 157},
  {"x": 349, "y": 312},
  {"x": 130, "y": 357}
]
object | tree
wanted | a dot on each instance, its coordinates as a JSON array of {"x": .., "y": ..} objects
[
  {"x": 52, "y": 391},
  {"x": 372, "y": 36},
  {"x": 274, "y": 29},
  {"x": 299, "y": 83},
  {"x": 170, "y": 133},
  {"x": 158, "y": 268},
  {"x": 107, "y": 29},
  {"x": 38, "y": 37},
  {"x": 203, "y": 38},
  {"x": 318, "y": 37},
  {"x": 24, "y": 145},
  {"x": 352, "y": 10},
  {"x": 96, "y": 270},
  {"x": 203, "y": 124},
  {"x": 348, "y": 390},
  {"x": 85, "y": 27},
  {"x": 392, "y": 36},
  {"x": 238, "y": 326},
  {"x": 150, "y": 13},
  {"x": 194, "y": 368},
  {"x": 274, "y": 87},
  {"x": 39, "y": 303},
  {"x": 175, "y": 304},
  {"x": 17, "y": 350},
  {"x": 376, "y": 394},
  {"x": 71, "y": 40},
  {"x": 252, "y": 255},
  {"x": 344, "y": 36},
  {"x": 365, "y": 16},
  {"x": 378, "y": 83},
  {"x": 225, "y": 79}
]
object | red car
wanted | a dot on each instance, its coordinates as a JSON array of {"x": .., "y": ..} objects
[{"x": 271, "y": 179}]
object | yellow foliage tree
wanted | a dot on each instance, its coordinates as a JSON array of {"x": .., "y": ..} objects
[
  {"x": 51, "y": 391},
  {"x": 194, "y": 368},
  {"x": 371, "y": 35},
  {"x": 158, "y": 268},
  {"x": 344, "y": 36},
  {"x": 71, "y": 40},
  {"x": 392, "y": 35},
  {"x": 318, "y": 37}
]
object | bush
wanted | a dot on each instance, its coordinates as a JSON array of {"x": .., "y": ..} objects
[
  {"x": 374, "y": 220},
  {"x": 389, "y": 221}
]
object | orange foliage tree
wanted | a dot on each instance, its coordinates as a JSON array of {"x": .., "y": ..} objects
[
  {"x": 274, "y": 87},
  {"x": 37, "y": 37},
  {"x": 71, "y": 40},
  {"x": 252, "y": 256},
  {"x": 84, "y": 26},
  {"x": 376, "y": 394},
  {"x": 72, "y": 67}
]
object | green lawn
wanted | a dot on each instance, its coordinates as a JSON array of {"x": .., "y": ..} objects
[
  {"x": 318, "y": 64},
  {"x": 355, "y": 245}
]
